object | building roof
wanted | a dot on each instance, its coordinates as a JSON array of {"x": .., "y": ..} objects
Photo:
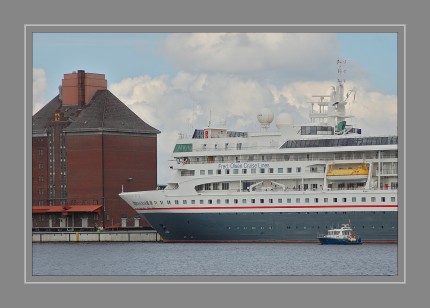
[{"x": 104, "y": 113}]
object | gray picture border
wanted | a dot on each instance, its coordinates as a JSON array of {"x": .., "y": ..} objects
[{"x": 17, "y": 293}]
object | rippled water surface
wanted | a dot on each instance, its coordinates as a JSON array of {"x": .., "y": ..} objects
[{"x": 69, "y": 259}]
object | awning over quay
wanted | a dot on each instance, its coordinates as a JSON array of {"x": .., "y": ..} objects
[{"x": 66, "y": 209}]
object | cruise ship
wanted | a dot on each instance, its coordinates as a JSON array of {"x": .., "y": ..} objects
[{"x": 279, "y": 185}]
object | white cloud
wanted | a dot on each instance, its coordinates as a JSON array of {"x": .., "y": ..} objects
[
  {"x": 250, "y": 52},
  {"x": 39, "y": 89},
  {"x": 231, "y": 77},
  {"x": 183, "y": 102}
]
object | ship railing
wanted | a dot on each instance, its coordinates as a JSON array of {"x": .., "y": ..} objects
[
  {"x": 280, "y": 159},
  {"x": 288, "y": 189}
]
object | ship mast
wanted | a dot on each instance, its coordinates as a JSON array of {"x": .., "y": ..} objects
[{"x": 332, "y": 111}]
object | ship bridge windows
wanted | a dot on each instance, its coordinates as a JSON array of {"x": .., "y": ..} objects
[{"x": 316, "y": 130}]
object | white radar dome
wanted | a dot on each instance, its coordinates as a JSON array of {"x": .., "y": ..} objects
[
  {"x": 265, "y": 117},
  {"x": 284, "y": 120}
]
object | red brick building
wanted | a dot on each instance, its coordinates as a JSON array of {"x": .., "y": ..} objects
[{"x": 86, "y": 147}]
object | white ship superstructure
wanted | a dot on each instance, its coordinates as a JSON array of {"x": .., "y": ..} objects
[{"x": 283, "y": 185}]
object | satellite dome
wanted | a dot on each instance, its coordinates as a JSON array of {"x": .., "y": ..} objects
[
  {"x": 265, "y": 117},
  {"x": 284, "y": 120}
]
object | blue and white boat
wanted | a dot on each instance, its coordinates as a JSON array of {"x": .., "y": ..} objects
[{"x": 340, "y": 236}]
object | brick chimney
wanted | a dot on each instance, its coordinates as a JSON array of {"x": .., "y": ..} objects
[{"x": 79, "y": 87}]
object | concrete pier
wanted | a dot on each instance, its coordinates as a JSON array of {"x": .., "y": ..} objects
[{"x": 103, "y": 236}]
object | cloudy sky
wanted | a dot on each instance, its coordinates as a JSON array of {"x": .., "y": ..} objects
[{"x": 176, "y": 82}]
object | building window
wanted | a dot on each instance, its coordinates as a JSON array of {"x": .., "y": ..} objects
[
  {"x": 306, "y": 200},
  {"x": 316, "y": 200},
  {"x": 354, "y": 199},
  {"x": 325, "y": 200},
  {"x": 382, "y": 199},
  {"x": 243, "y": 201},
  {"x": 334, "y": 199},
  {"x": 236, "y": 201},
  {"x": 270, "y": 170},
  {"x": 261, "y": 170},
  {"x": 225, "y": 186},
  {"x": 218, "y": 201},
  {"x": 280, "y": 170},
  {"x": 298, "y": 169},
  {"x": 176, "y": 201},
  {"x": 201, "y": 201},
  {"x": 202, "y": 172},
  {"x": 227, "y": 201},
  {"x": 40, "y": 165},
  {"x": 373, "y": 199},
  {"x": 289, "y": 170},
  {"x": 261, "y": 200},
  {"x": 40, "y": 152},
  {"x": 40, "y": 178},
  {"x": 193, "y": 201},
  {"x": 270, "y": 200},
  {"x": 252, "y": 200},
  {"x": 210, "y": 172},
  {"x": 41, "y": 191},
  {"x": 280, "y": 200},
  {"x": 253, "y": 170},
  {"x": 227, "y": 171},
  {"x": 288, "y": 200},
  {"x": 209, "y": 201},
  {"x": 297, "y": 200},
  {"x": 393, "y": 199},
  {"x": 235, "y": 171},
  {"x": 218, "y": 171},
  {"x": 184, "y": 201},
  {"x": 244, "y": 171},
  {"x": 363, "y": 199},
  {"x": 343, "y": 199}
]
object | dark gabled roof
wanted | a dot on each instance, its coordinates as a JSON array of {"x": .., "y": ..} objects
[{"x": 105, "y": 112}]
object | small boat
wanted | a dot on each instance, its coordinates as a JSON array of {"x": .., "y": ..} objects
[
  {"x": 340, "y": 236},
  {"x": 348, "y": 172}
]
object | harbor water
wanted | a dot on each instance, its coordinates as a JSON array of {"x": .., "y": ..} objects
[{"x": 160, "y": 259}]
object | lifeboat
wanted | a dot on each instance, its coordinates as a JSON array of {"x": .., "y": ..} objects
[{"x": 345, "y": 172}]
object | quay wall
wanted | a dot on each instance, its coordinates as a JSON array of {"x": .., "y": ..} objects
[{"x": 104, "y": 236}]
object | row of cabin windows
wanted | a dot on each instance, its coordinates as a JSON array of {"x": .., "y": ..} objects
[
  {"x": 213, "y": 186},
  {"x": 303, "y": 227},
  {"x": 243, "y": 171},
  {"x": 279, "y": 200}
]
